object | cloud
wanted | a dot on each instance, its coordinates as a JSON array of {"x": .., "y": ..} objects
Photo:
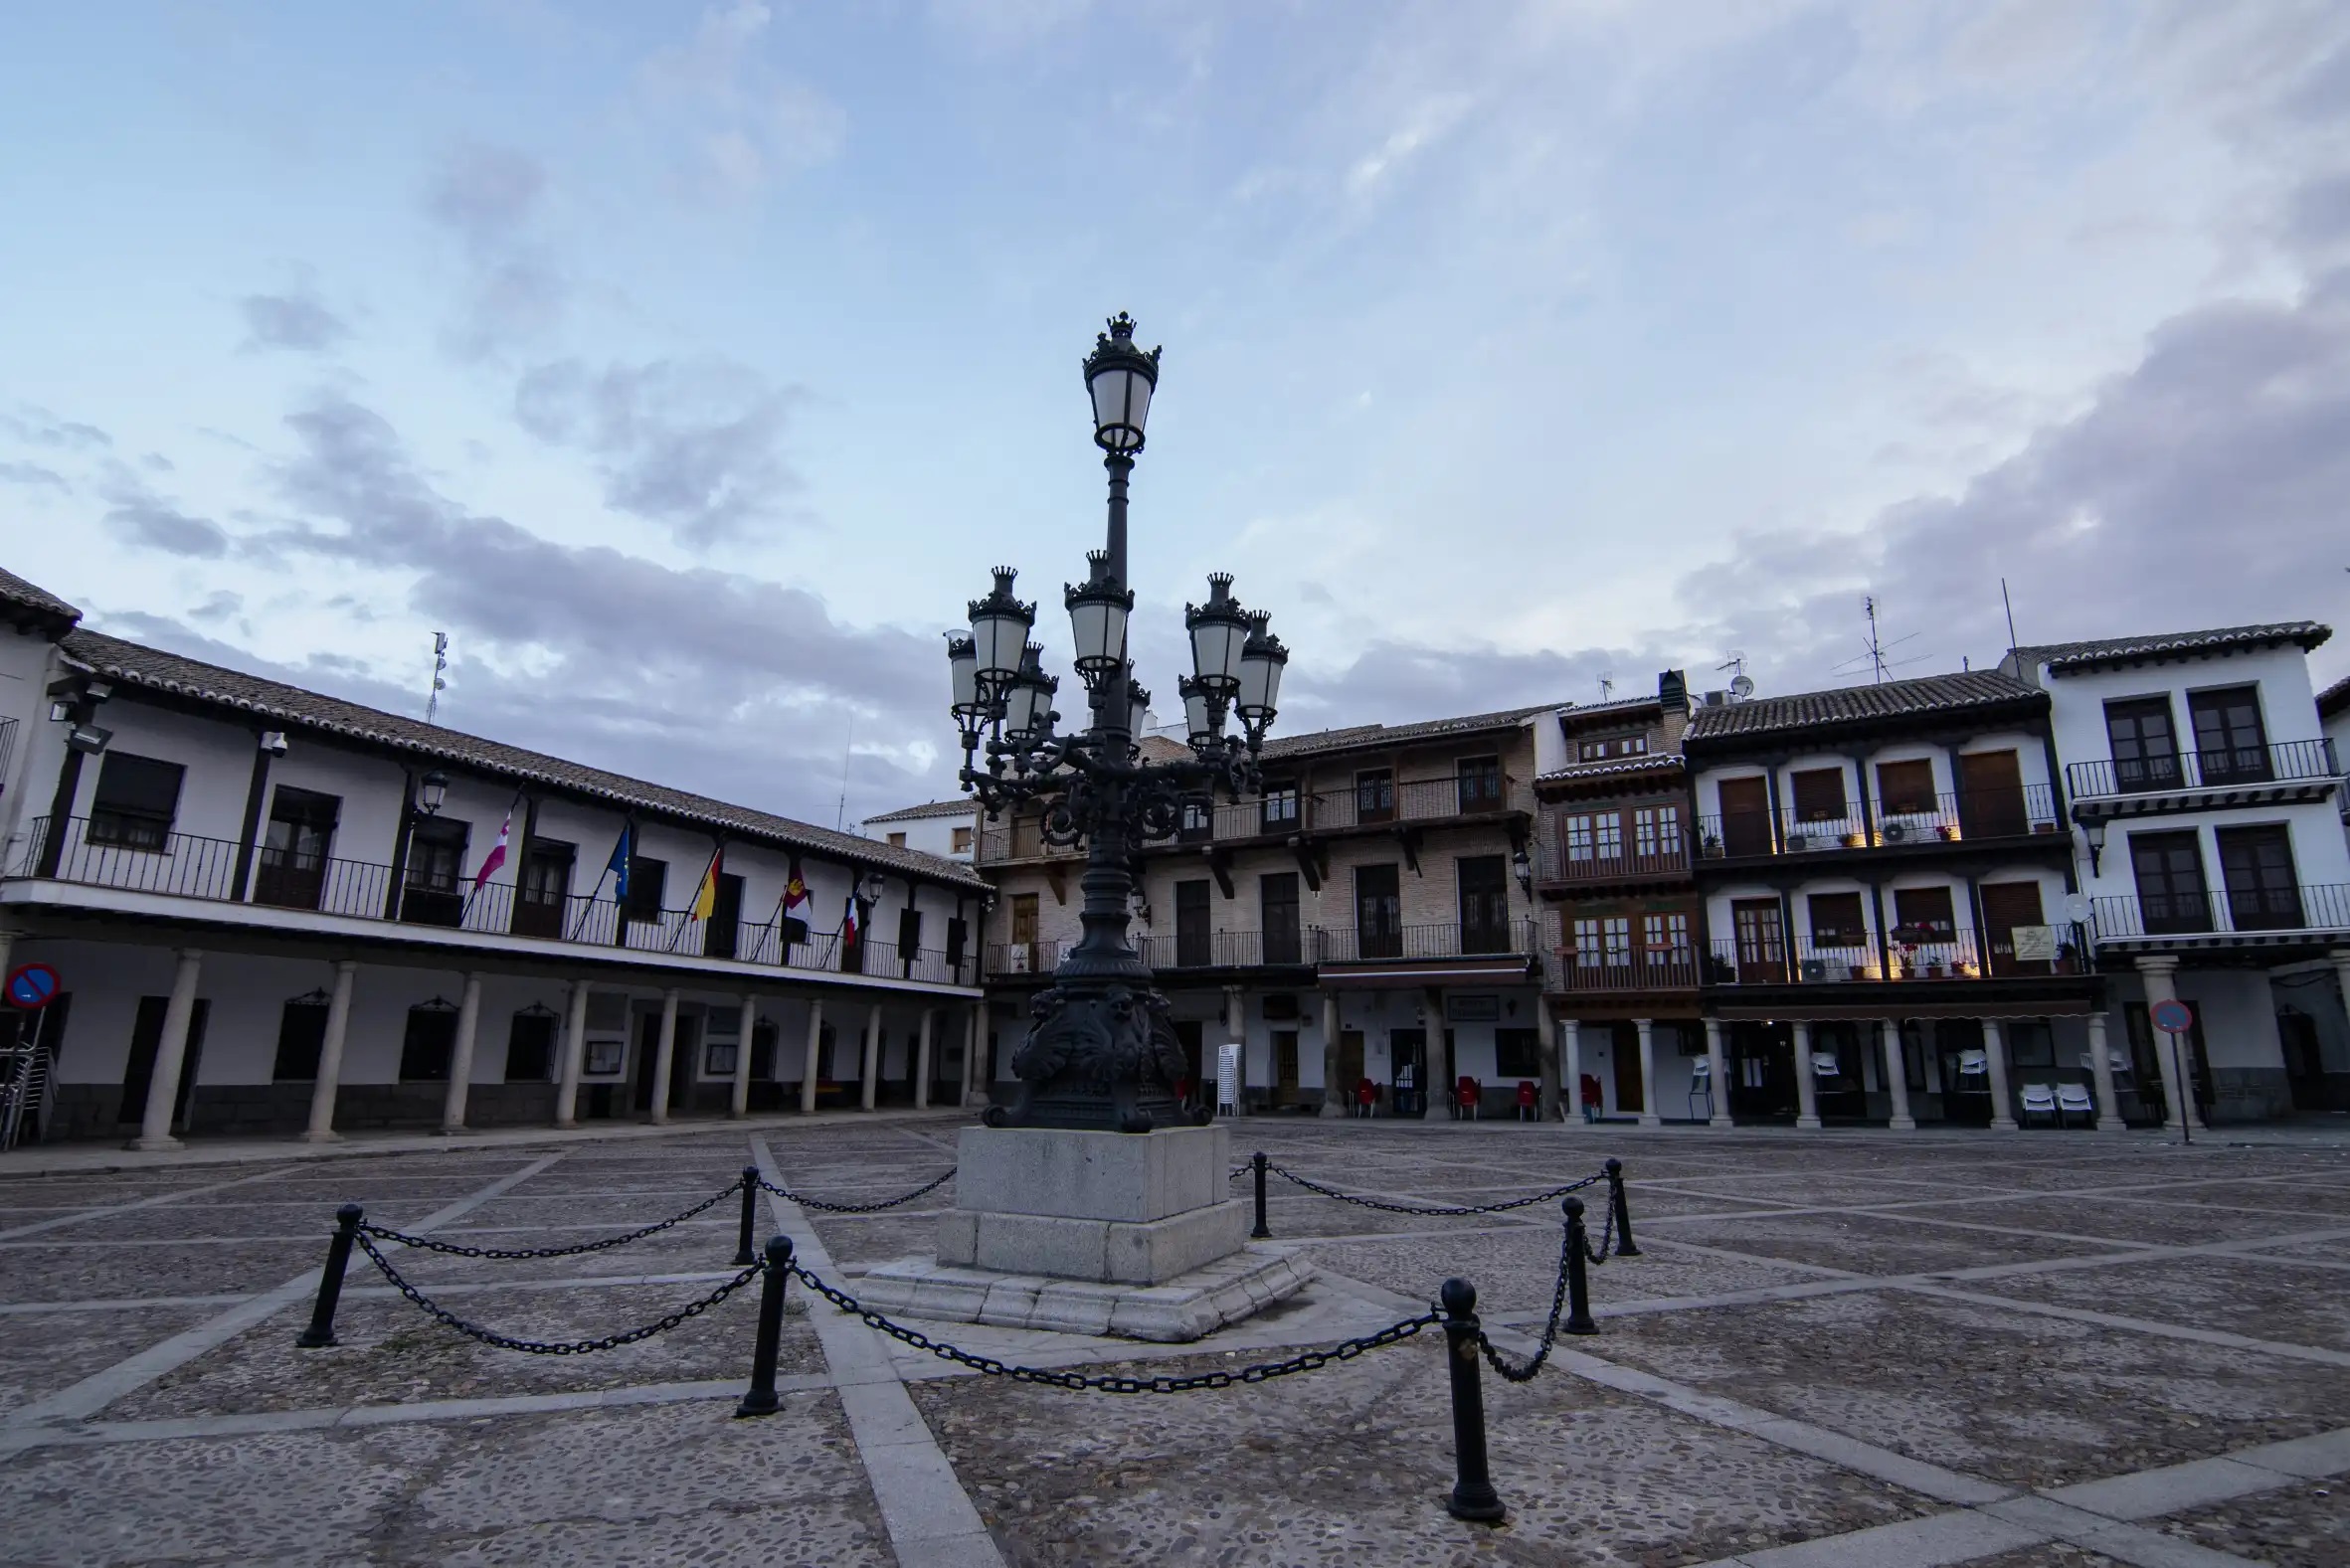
[
  {"x": 706, "y": 679},
  {"x": 735, "y": 123},
  {"x": 298, "y": 321},
  {"x": 219, "y": 606},
  {"x": 694, "y": 445},
  {"x": 141, "y": 517},
  {"x": 44, "y": 429},
  {"x": 31, "y": 473},
  {"x": 490, "y": 198}
]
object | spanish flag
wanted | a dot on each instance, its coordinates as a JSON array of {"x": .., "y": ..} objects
[{"x": 705, "y": 897}]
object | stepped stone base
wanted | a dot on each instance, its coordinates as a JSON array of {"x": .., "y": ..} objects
[{"x": 1188, "y": 1306}]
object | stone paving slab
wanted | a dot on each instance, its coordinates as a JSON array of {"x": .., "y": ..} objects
[
  {"x": 2336, "y": 1250},
  {"x": 1307, "y": 1214},
  {"x": 1350, "y": 1464},
  {"x": 2235, "y": 1294},
  {"x": 40, "y": 1354},
  {"x": 615, "y": 1212},
  {"x": 859, "y": 1244},
  {"x": 2053, "y": 1554},
  {"x": 75, "y": 1272},
  {"x": 2119, "y": 1219},
  {"x": 2318, "y": 1200},
  {"x": 1866, "y": 1243},
  {"x": 2025, "y": 1399},
  {"x": 388, "y": 1352},
  {"x": 1518, "y": 1272},
  {"x": 2299, "y": 1526}
]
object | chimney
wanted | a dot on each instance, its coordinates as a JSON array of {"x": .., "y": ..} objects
[{"x": 1672, "y": 691}]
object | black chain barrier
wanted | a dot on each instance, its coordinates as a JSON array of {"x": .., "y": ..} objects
[
  {"x": 1310, "y": 1362},
  {"x": 431, "y": 1244},
  {"x": 490, "y": 1336},
  {"x": 1438, "y": 1211},
  {"x": 854, "y": 1208},
  {"x": 1571, "y": 1240}
]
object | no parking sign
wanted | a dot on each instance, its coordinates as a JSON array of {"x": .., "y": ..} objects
[
  {"x": 2172, "y": 1016},
  {"x": 32, "y": 986}
]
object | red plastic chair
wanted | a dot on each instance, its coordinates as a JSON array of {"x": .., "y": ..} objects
[
  {"x": 1367, "y": 1098},
  {"x": 1592, "y": 1097},
  {"x": 1466, "y": 1095},
  {"x": 1526, "y": 1095}
]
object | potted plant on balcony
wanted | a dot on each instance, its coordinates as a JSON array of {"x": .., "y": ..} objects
[
  {"x": 1797, "y": 840},
  {"x": 2068, "y": 958},
  {"x": 1854, "y": 840},
  {"x": 1710, "y": 845},
  {"x": 1948, "y": 829}
]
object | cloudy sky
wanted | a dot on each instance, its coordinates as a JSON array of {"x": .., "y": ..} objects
[{"x": 691, "y": 368}]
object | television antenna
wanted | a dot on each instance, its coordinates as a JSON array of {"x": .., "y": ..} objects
[
  {"x": 1741, "y": 685},
  {"x": 440, "y": 667},
  {"x": 1873, "y": 656},
  {"x": 1608, "y": 686}
]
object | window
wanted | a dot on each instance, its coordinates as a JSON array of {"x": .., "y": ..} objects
[
  {"x": 1836, "y": 921},
  {"x": 1483, "y": 884},
  {"x": 1517, "y": 1054},
  {"x": 909, "y": 938},
  {"x": 430, "y": 1039},
  {"x": 2256, "y": 863},
  {"x": 647, "y": 881},
  {"x": 1192, "y": 940},
  {"x": 1665, "y": 936},
  {"x": 1027, "y": 954},
  {"x": 2029, "y": 1044},
  {"x": 1905, "y": 789},
  {"x": 1280, "y": 807},
  {"x": 1479, "y": 780},
  {"x": 431, "y": 892},
  {"x": 1762, "y": 944},
  {"x": 1576, "y": 829},
  {"x": 1277, "y": 904},
  {"x": 292, "y": 873},
  {"x": 137, "y": 797},
  {"x": 1603, "y": 748},
  {"x": 957, "y": 937},
  {"x": 2145, "y": 748},
  {"x": 719, "y": 1056},
  {"x": 1607, "y": 836},
  {"x": 1819, "y": 795},
  {"x": 1374, "y": 795},
  {"x": 2169, "y": 872},
  {"x": 1379, "y": 912},
  {"x": 897, "y": 840},
  {"x": 2230, "y": 744},
  {"x": 1604, "y": 940},
  {"x": 1656, "y": 832},
  {"x": 963, "y": 841},
  {"x": 543, "y": 888},
  {"x": 301, "y": 1036},
  {"x": 531, "y": 1045},
  {"x": 1923, "y": 915},
  {"x": 1197, "y": 822}
]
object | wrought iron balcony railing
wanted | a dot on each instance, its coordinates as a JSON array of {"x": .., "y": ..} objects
[
  {"x": 1577, "y": 973},
  {"x": 2321, "y": 906},
  {"x": 1916, "y": 820},
  {"x": 1571, "y": 864},
  {"x": 2281, "y": 763}
]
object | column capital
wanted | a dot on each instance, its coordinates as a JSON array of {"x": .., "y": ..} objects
[
  {"x": 2158, "y": 964},
  {"x": 187, "y": 953},
  {"x": 346, "y": 966}
]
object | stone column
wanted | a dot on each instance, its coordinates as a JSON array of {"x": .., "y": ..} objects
[
  {"x": 739, "y": 1103},
  {"x": 1718, "y": 1068},
  {"x": 1650, "y": 1116},
  {"x": 1546, "y": 1094},
  {"x": 330, "y": 1055},
  {"x": 2002, "y": 1107},
  {"x": 461, "y": 1058},
  {"x": 1440, "y": 1067},
  {"x": 663, "y": 1056},
  {"x": 922, "y": 1061},
  {"x": 171, "y": 1054},
  {"x": 1336, "y": 1096},
  {"x": 2100, "y": 1065},
  {"x": 815, "y": 1051},
  {"x": 1570, "y": 1068},
  {"x": 1896, "y": 1078},
  {"x": 871, "y": 1080},
  {"x": 1235, "y": 1025},
  {"x": 1807, "y": 1082},
  {"x": 2177, "y": 1089},
  {"x": 2341, "y": 962},
  {"x": 974, "y": 1036},
  {"x": 575, "y": 1050}
]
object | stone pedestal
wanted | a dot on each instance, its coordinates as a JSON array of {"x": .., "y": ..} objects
[{"x": 1127, "y": 1234}]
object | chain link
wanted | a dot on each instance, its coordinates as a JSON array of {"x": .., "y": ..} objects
[
  {"x": 430, "y": 1244},
  {"x": 1528, "y": 1370},
  {"x": 789, "y": 1195},
  {"x": 1309, "y": 1361},
  {"x": 1607, "y": 1237},
  {"x": 1413, "y": 1208},
  {"x": 490, "y": 1336}
]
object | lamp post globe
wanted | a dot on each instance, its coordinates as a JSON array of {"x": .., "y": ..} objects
[{"x": 1101, "y": 1052}]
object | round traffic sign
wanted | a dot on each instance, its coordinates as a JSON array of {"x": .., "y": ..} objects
[
  {"x": 32, "y": 986},
  {"x": 2172, "y": 1016}
]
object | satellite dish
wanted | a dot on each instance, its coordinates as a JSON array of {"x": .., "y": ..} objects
[
  {"x": 1741, "y": 686},
  {"x": 2076, "y": 908}
]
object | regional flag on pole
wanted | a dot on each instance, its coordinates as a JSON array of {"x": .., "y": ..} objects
[
  {"x": 849, "y": 923},
  {"x": 795, "y": 887},
  {"x": 497, "y": 851},
  {"x": 705, "y": 897}
]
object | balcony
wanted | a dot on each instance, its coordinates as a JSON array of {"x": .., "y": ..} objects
[
  {"x": 1469, "y": 797},
  {"x": 1578, "y": 974},
  {"x": 1228, "y": 949},
  {"x": 1945, "y": 955},
  {"x": 1012, "y": 960},
  {"x": 1387, "y": 944},
  {"x": 1912, "y": 824},
  {"x": 1561, "y": 866},
  {"x": 2238, "y": 918},
  {"x": 2184, "y": 780},
  {"x": 189, "y": 866},
  {"x": 1513, "y": 945}
]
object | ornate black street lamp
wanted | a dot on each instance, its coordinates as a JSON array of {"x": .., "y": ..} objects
[{"x": 1101, "y": 1052}]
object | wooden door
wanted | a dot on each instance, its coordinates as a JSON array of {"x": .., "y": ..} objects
[
  {"x": 1991, "y": 794},
  {"x": 1023, "y": 929},
  {"x": 2007, "y": 905},
  {"x": 1285, "y": 1066},
  {"x": 2168, "y": 868},
  {"x": 1762, "y": 951},
  {"x": 1630, "y": 1095},
  {"x": 685, "y": 1060},
  {"x": 1745, "y": 816}
]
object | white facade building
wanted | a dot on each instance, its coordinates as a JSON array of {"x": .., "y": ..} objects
[
  {"x": 269, "y": 913},
  {"x": 2208, "y": 800},
  {"x": 946, "y": 828}
]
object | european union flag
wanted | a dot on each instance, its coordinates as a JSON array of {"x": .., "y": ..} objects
[{"x": 618, "y": 865}]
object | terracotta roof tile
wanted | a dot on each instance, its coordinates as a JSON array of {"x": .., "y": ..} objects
[
  {"x": 1860, "y": 704},
  {"x": 1363, "y": 735},
  {"x": 2060, "y": 656},
  {"x": 2334, "y": 698},
  {"x": 23, "y": 595},
  {"x": 908, "y": 813}
]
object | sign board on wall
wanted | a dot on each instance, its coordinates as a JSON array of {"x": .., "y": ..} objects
[
  {"x": 1472, "y": 1007},
  {"x": 2034, "y": 943}
]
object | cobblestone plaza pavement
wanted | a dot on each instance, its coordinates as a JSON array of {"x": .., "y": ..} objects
[{"x": 1839, "y": 1349}]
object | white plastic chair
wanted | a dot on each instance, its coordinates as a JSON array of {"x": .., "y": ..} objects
[
  {"x": 2039, "y": 1100},
  {"x": 1700, "y": 1084},
  {"x": 2071, "y": 1097}
]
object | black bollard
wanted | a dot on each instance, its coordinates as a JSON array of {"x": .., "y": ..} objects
[
  {"x": 320, "y": 1333},
  {"x": 743, "y": 1256},
  {"x": 1615, "y": 1182},
  {"x": 760, "y": 1399},
  {"x": 1263, "y": 1231},
  {"x": 1473, "y": 1496},
  {"x": 1578, "y": 1283}
]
